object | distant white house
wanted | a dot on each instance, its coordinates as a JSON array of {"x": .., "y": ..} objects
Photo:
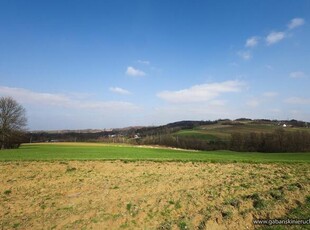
[{"x": 284, "y": 125}]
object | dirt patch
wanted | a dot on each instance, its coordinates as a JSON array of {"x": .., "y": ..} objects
[{"x": 147, "y": 195}]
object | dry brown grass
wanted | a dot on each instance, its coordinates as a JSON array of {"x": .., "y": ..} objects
[{"x": 146, "y": 195}]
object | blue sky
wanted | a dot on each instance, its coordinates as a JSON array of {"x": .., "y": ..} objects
[{"x": 103, "y": 64}]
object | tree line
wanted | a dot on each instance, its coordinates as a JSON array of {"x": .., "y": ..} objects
[
  {"x": 277, "y": 141},
  {"x": 183, "y": 142}
]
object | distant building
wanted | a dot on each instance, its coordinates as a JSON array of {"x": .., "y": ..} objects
[{"x": 284, "y": 125}]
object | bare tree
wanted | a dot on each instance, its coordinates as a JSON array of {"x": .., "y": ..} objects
[{"x": 12, "y": 121}]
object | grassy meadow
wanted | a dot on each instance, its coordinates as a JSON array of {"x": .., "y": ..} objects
[{"x": 98, "y": 151}]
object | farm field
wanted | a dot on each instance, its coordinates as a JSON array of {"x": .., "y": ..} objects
[
  {"x": 98, "y": 151},
  {"x": 147, "y": 195},
  {"x": 105, "y": 186}
]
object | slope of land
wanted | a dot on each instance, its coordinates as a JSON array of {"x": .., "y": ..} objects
[{"x": 222, "y": 130}]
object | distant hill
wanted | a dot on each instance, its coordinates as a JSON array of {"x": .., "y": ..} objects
[
  {"x": 222, "y": 129},
  {"x": 242, "y": 134},
  {"x": 204, "y": 130}
]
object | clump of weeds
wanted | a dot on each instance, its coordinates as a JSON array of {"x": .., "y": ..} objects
[
  {"x": 7, "y": 192},
  {"x": 166, "y": 225},
  {"x": 71, "y": 169},
  {"x": 177, "y": 205},
  {"x": 258, "y": 202},
  {"x": 132, "y": 209},
  {"x": 233, "y": 202},
  {"x": 276, "y": 194}
]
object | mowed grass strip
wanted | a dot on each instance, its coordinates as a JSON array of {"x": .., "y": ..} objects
[{"x": 94, "y": 151}]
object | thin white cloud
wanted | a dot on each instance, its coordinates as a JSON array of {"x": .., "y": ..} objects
[
  {"x": 270, "y": 94},
  {"x": 144, "y": 62},
  {"x": 274, "y": 37},
  {"x": 253, "y": 103},
  {"x": 298, "y": 101},
  {"x": 275, "y": 110},
  {"x": 131, "y": 71},
  {"x": 297, "y": 74},
  {"x": 295, "y": 22},
  {"x": 271, "y": 38},
  {"x": 263, "y": 99},
  {"x": 251, "y": 42},
  {"x": 245, "y": 55},
  {"x": 218, "y": 103},
  {"x": 234, "y": 64},
  {"x": 119, "y": 90},
  {"x": 201, "y": 93},
  {"x": 61, "y": 100}
]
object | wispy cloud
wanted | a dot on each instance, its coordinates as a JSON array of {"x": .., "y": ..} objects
[
  {"x": 234, "y": 64},
  {"x": 270, "y": 94},
  {"x": 261, "y": 100},
  {"x": 119, "y": 90},
  {"x": 253, "y": 103},
  {"x": 201, "y": 93},
  {"x": 245, "y": 55},
  {"x": 295, "y": 22},
  {"x": 131, "y": 71},
  {"x": 298, "y": 101},
  {"x": 274, "y": 37},
  {"x": 175, "y": 112},
  {"x": 62, "y": 100},
  {"x": 297, "y": 74},
  {"x": 251, "y": 42},
  {"x": 271, "y": 39},
  {"x": 144, "y": 62},
  {"x": 218, "y": 102}
]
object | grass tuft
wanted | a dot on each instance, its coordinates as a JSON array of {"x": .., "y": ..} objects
[
  {"x": 70, "y": 169},
  {"x": 7, "y": 192}
]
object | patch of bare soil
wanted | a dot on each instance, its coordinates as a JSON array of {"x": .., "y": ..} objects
[{"x": 147, "y": 195}]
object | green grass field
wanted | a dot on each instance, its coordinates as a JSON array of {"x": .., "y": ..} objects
[{"x": 95, "y": 151}]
